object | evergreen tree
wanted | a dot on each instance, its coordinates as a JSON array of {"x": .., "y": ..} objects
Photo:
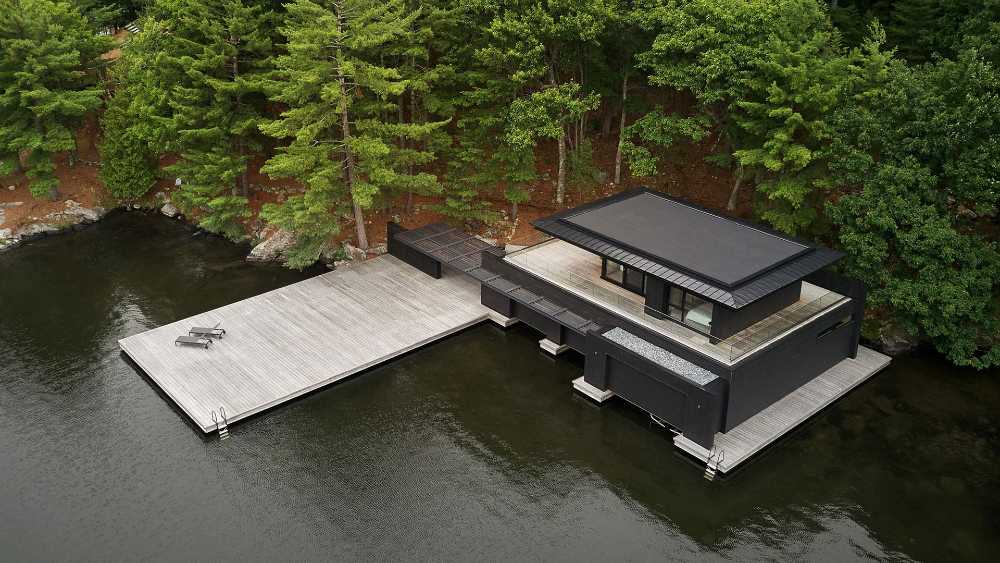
[
  {"x": 340, "y": 146},
  {"x": 799, "y": 82},
  {"x": 128, "y": 165},
  {"x": 478, "y": 95},
  {"x": 210, "y": 66},
  {"x": 49, "y": 62},
  {"x": 539, "y": 46}
]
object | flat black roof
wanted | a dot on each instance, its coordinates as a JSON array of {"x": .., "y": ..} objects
[
  {"x": 675, "y": 233},
  {"x": 724, "y": 260}
]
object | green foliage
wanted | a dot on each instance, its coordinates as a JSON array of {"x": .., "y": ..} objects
[
  {"x": 49, "y": 63},
  {"x": 208, "y": 64},
  {"x": 128, "y": 166},
  {"x": 342, "y": 147},
  {"x": 582, "y": 172},
  {"x": 785, "y": 134},
  {"x": 545, "y": 113},
  {"x": 921, "y": 146},
  {"x": 659, "y": 131}
]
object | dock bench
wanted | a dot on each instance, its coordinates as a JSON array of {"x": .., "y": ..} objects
[
  {"x": 193, "y": 341},
  {"x": 207, "y": 332}
]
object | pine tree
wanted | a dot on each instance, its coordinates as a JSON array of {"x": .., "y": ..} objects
[
  {"x": 798, "y": 84},
  {"x": 49, "y": 62},
  {"x": 540, "y": 46},
  {"x": 210, "y": 63},
  {"x": 478, "y": 95},
  {"x": 341, "y": 146}
]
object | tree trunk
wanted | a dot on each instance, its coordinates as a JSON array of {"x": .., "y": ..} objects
[
  {"x": 513, "y": 210},
  {"x": 345, "y": 124},
  {"x": 734, "y": 195},
  {"x": 621, "y": 132},
  {"x": 244, "y": 179},
  {"x": 561, "y": 180},
  {"x": 606, "y": 120}
]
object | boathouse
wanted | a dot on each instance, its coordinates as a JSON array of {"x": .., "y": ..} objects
[
  {"x": 703, "y": 321},
  {"x": 725, "y": 332}
]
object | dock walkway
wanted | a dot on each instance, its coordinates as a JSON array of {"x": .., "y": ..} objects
[
  {"x": 753, "y": 435},
  {"x": 287, "y": 342}
]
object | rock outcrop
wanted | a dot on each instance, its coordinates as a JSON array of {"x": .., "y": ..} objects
[
  {"x": 273, "y": 248},
  {"x": 170, "y": 210},
  {"x": 73, "y": 216},
  {"x": 895, "y": 341}
]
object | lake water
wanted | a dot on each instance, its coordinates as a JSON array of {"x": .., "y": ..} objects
[{"x": 475, "y": 448}]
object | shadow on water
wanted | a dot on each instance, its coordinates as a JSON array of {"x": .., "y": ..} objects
[{"x": 473, "y": 448}]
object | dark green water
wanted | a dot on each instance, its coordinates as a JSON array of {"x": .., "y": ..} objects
[{"x": 472, "y": 449}]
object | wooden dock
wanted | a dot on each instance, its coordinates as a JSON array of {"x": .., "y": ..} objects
[
  {"x": 285, "y": 343},
  {"x": 754, "y": 434}
]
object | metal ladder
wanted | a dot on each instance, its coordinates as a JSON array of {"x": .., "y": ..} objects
[
  {"x": 221, "y": 423},
  {"x": 715, "y": 458}
]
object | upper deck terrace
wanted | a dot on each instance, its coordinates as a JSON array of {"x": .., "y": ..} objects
[{"x": 579, "y": 272}]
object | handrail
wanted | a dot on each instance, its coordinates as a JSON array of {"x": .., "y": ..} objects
[{"x": 731, "y": 348}]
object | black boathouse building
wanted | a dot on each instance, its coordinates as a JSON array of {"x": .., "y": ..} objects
[{"x": 701, "y": 320}]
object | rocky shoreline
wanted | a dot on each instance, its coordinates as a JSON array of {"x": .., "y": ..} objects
[
  {"x": 73, "y": 216},
  {"x": 270, "y": 247}
]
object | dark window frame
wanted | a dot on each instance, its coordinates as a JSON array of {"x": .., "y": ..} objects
[
  {"x": 627, "y": 272},
  {"x": 684, "y": 309}
]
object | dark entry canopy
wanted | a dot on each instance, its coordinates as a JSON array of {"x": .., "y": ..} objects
[{"x": 725, "y": 260}]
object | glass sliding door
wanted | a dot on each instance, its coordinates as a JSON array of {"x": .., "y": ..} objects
[
  {"x": 613, "y": 272},
  {"x": 620, "y": 274},
  {"x": 690, "y": 309}
]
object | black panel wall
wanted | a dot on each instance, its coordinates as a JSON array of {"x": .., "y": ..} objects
[
  {"x": 695, "y": 410},
  {"x": 784, "y": 366},
  {"x": 411, "y": 256},
  {"x": 727, "y": 321}
]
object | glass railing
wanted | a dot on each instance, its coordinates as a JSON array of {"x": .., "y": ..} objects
[{"x": 731, "y": 349}]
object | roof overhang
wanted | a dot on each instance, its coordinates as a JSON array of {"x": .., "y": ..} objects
[{"x": 782, "y": 259}]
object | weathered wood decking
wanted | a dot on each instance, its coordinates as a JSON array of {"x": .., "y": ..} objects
[
  {"x": 293, "y": 340},
  {"x": 753, "y": 435}
]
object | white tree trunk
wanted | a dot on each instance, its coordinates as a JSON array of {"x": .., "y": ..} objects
[
  {"x": 621, "y": 132},
  {"x": 561, "y": 181},
  {"x": 734, "y": 195}
]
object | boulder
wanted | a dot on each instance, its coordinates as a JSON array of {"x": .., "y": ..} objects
[
  {"x": 8, "y": 240},
  {"x": 83, "y": 214},
  {"x": 354, "y": 253},
  {"x": 379, "y": 249},
  {"x": 36, "y": 230},
  {"x": 273, "y": 248},
  {"x": 330, "y": 255},
  {"x": 895, "y": 340},
  {"x": 170, "y": 210},
  {"x": 11, "y": 188}
]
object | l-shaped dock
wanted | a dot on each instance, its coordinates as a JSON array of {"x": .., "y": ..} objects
[{"x": 435, "y": 282}]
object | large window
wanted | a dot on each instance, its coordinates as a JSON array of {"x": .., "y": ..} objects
[
  {"x": 620, "y": 274},
  {"x": 690, "y": 309}
]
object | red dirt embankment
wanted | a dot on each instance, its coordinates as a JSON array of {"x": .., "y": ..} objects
[
  {"x": 684, "y": 173},
  {"x": 79, "y": 183}
]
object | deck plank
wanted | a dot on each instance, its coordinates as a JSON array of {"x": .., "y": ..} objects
[
  {"x": 290, "y": 341},
  {"x": 757, "y": 432}
]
